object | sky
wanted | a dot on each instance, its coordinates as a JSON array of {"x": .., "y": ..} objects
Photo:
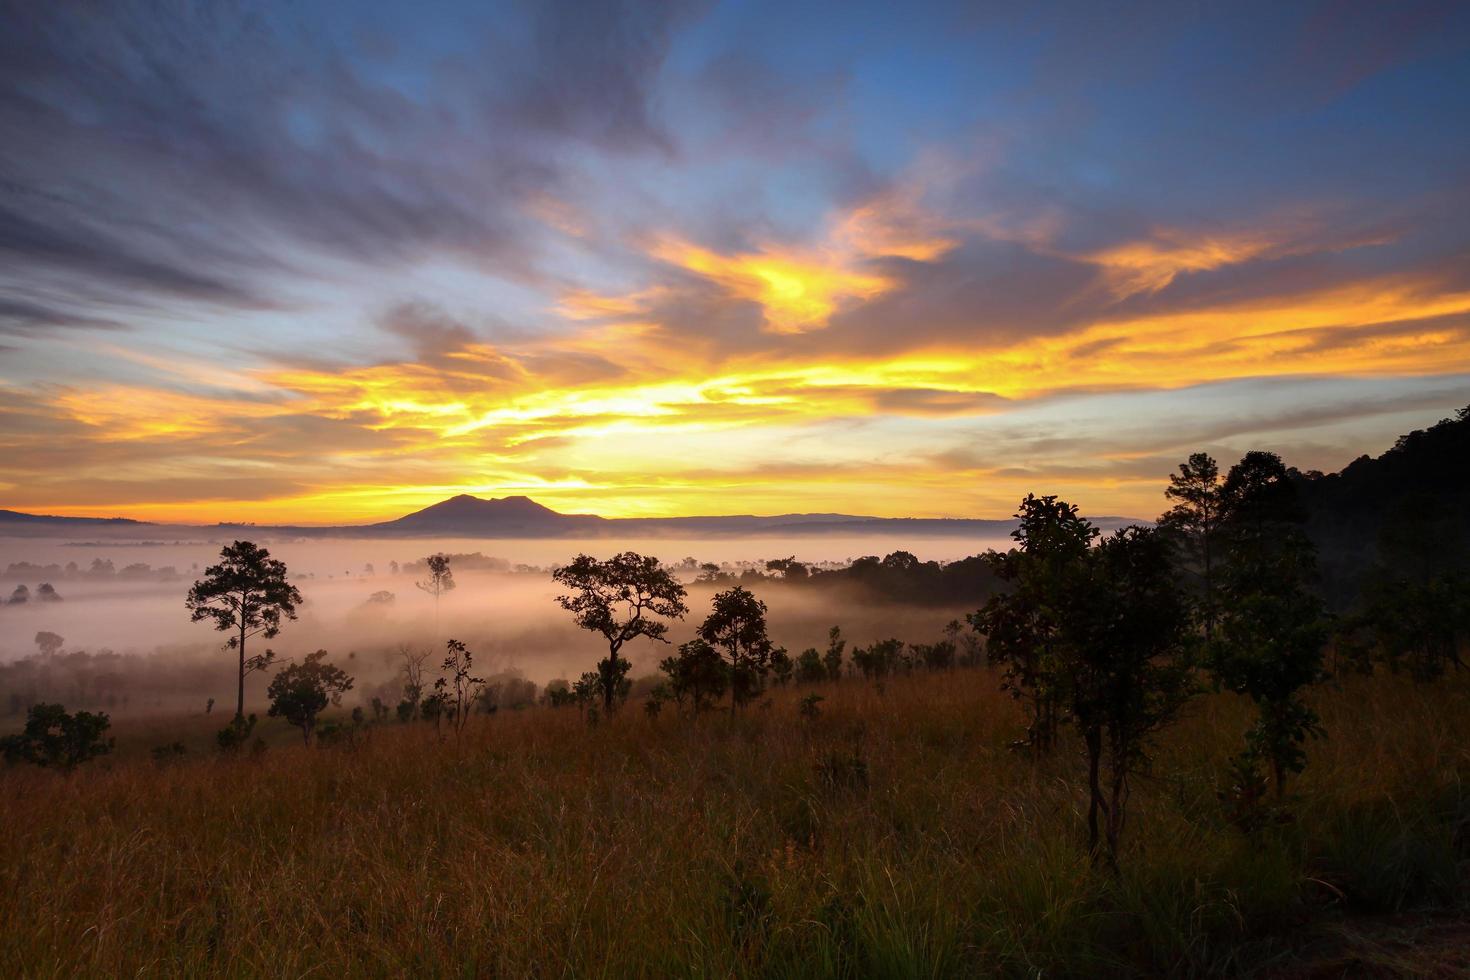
[{"x": 334, "y": 262}]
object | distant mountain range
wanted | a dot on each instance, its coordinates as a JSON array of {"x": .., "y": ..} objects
[
  {"x": 1408, "y": 509},
  {"x": 465, "y": 516}
]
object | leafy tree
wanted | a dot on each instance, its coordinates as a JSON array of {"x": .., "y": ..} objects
[
  {"x": 558, "y": 693},
  {"x": 20, "y": 596},
  {"x": 782, "y": 667},
  {"x": 434, "y": 708},
  {"x": 1270, "y": 632},
  {"x": 697, "y": 673},
  {"x": 736, "y": 627},
  {"x": 57, "y": 740},
  {"x": 809, "y": 666},
  {"x": 788, "y": 568},
  {"x": 1416, "y": 626},
  {"x": 934, "y": 656},
  {"x": 1129, "y": 625},
  {"x": 49, "y": 643},
  {"x": 440, "y": 581},
  {"x": 46, "y": 592},
  {"x": 1023, "y": 624},
  {"x": 832, "y": 659},
  {"x": 883, "y": 658},
  {"x": 300, "y": 692},
  {"x": 1195, "y": 521},
  {"x": 619, "y": 599},
  {"x": 460, "y": 688},
  {"x": 233, "y": 736},
  {"x": 247, "y": 594}
]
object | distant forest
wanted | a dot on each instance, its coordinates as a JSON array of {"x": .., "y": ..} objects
[{"x": 1403, "y": 516}]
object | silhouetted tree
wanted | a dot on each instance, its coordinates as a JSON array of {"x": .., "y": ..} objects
[
  {"x": 300, "y": 692},
  {"x": 55, "y": 739},
  {"x": 440, "y": 581},
  {"x": 1023, "y": 625},
  {"x": 880, "y": 659},
  {"x": 246, "y": 593},
  {"x": 809, "y": 666},
  {"x": 736, "y": 626},
  {"x": 460, "y": 688},
  {"x": 832, "y": 659},
  {"x": 1194, "y": 523},
  {"x": 781, "y": 667},
  {"x": 1270, "y": 633},
  {"x": 49, "y": 643},
  {"x": 20, "y": 596},
  {"x": 1128, "y": 625},
  {"x": 697, "y": 673},
  {"x": 788, "y": 568},
  {"x": 1416, "y": 626},
  {"x": 411, "y": 669},
  {"x": 618, "y": 598},
  {"x": 47, "y": 593}
]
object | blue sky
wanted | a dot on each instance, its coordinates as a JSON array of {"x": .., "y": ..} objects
[{"x": 329, "y": 262}]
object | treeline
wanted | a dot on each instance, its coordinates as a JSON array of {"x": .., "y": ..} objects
[{"x": 100, "y": 570}]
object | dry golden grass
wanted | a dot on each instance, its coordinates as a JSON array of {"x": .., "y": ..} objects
[{"x": 896, "y": 835}]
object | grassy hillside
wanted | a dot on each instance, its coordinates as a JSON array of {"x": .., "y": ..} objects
[{"x": 894, "y": 835}]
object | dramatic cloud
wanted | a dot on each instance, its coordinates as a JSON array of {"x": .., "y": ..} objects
[{"x": 272, "y": 262}]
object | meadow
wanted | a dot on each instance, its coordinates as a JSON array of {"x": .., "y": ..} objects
[{"x": 895, "y": 834}]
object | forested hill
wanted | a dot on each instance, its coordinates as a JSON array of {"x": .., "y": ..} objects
[{"x": 1406, "y": 512}]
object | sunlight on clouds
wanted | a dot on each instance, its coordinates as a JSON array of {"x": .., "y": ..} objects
[{"x": 797, "y": 292}]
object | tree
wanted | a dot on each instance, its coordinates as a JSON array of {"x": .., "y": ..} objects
[
  {"x": 1129, "y": 627},
  {"x": 54, "y": 739},
  {"x": 300, "y": 692},
  {"x": 412, "y": 669},
  {"x": 809, "y": 666},
  {"x": 246, "y": 593},
  {"x": 46, "y": 592},
  {"x": 832, "y": 659},
  {"x": 1195, "y": 521},
  {"x": 736, "y": 626},
  {"x": 49, "y": 643},
  {"x": 1417, "y": 626},
  {"x": 697, "y": 673},
  {"x": 619, "y": 599},
  {"x": 1270, "y": 634},
  {"x": 460, "y": 689},
  {"x": 1023, "y": 624},
  {"x": 20, "y": 596},
  {"x": 880, "y": 659},
  {"x": 440, "y": 581},
  {"x": 788, "y": 568}
]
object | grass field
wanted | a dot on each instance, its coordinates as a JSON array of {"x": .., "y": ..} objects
[{"x": 895, "y": 835}]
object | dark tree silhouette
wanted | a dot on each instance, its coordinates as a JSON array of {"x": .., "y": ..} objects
[
  {"x": 1023, "y": 625},
  {"x": 460, "y": 688},
  {"x": 697, "y": 673},
  {"x": 736, "y": 626},
  {"x": 619, "y": 599},
  {"x": 440, "y": 581},
  {"x": 49, "y": 643},
  {"x": 57, "y": 740},
  {"x": 1270, "y": 635},
  {"x": 1415, "y": 626},
  {"x": 1194, "y": 523},
  {"x": 832, "y": 659},
  {"x": 1128, "y": 628},
  {"x": 300, "y": 692},
  {"x": 46, "y": 592},
  {"x": 809, "y": 666},
  {"x": 246, "y": 593}
]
